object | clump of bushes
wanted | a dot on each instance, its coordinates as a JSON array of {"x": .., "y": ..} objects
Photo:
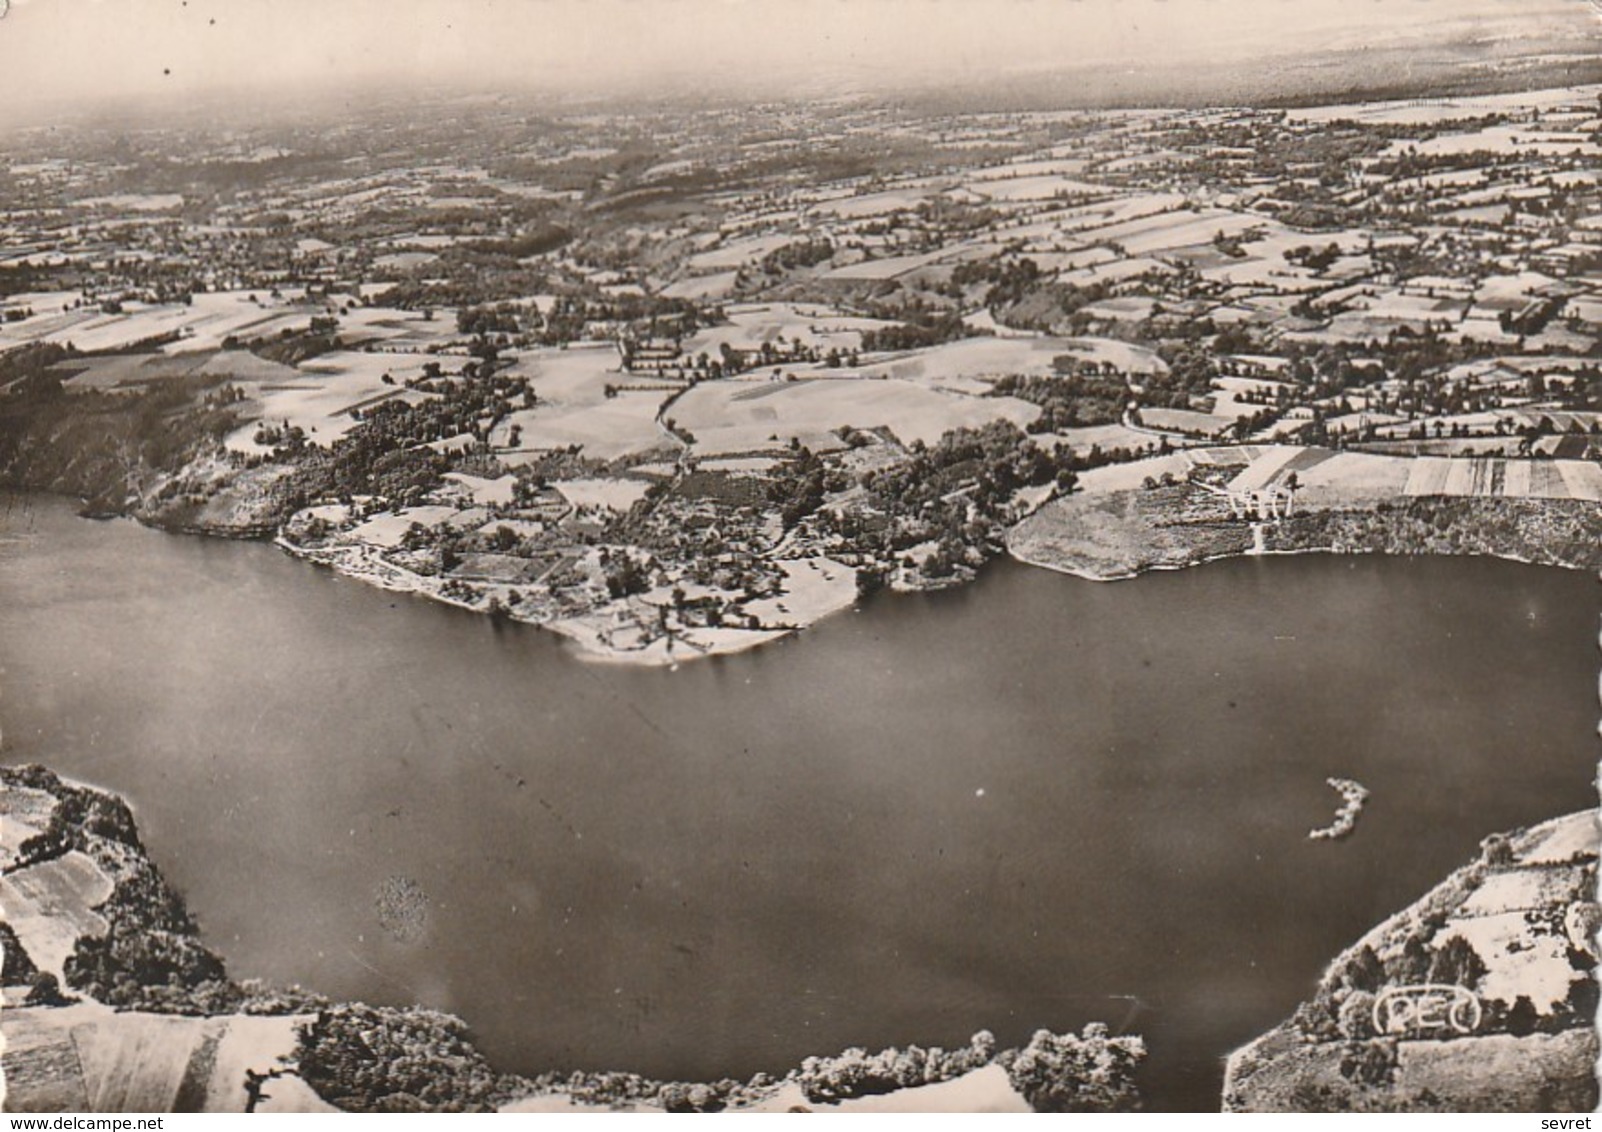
[
  {"x": 381, "y": 1059},
  {"x": 857, "y": 1073},
  {"x": 1088, "y": 1072},
  {"x": 16, "y": 968}
]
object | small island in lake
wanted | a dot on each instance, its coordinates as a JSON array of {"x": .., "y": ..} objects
[{"x": 1353, "y": 795}]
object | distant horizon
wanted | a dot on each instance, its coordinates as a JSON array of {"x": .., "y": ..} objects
[{"x": 149, "y": 57}]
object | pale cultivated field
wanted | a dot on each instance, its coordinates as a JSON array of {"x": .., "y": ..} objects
[
  {"x": 1059, "y": 261},
  {"x": 1564, "y": 840},
  {"x": 876, "y": 204},
  {"x": 137, "y": 1063},
  {"x": 1259, "y": 270},
  {"x": 1090, "y": 221},
  {"x": 135, "y": 202},
  {"x": 1268, "y": 468},
  {"x": 608, "y": 493},
  {"x": 42, "y": 1072},
  {"x": 386, "y": 528},
  {"x": 23, "y": 813},
  {"x": 1042, "y": 187},
  {"x": 750, "y": 326},
  {"x": 1227, "y": 402},
  {"x": 1354, "y": 473},
  {"x": 1107, "y": 437},
  {"x": 813, "y": 589},
  {"x": 1545, "y": 479},
  {"x": 984, "y": 1090},
  {"x": 258, "y": 1043},
  {"x": 1502, "y": 140},
  {"x": 1047, "y": 167},
  {"x": 496, "y": 491},
  {"x": 1328, "y": 478},
  {"x": 323, "y": 392},
  {"x": 715, "y": 286},
  {"x": 522, "y": 528},
  {"x": 1527, "y": 889},
  {"x": 404, "y": 261},
  {"x": 604, "y": 430},
  {"x": 965, "y": 363},
  {"x": 1124, "y": 356},
  {"x": 1435, "y": 111},
  {"x": 1112, "y": 273},
  {"x": 90, "y": 330},
  {"x": 48, "y": 316},
  {"x": 1181, "y": 229},
  {"x": 51, "y": 906},
  {"x": 753, "y": 416},
  {"x": 220, "y": 314},
  {"x": 1521, "y": 960},
  {"x": 1126, "y": 477},
  {"x": 1182, "y": 420},
  {"x": 740, "y": 465},
  {"x": 738, "y": 252},
  {"x": 577, "y": 375},
  {"x": 893, "y": 267}
]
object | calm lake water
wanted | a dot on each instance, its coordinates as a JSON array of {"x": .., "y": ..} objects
[{"x": 1033, "y": 802}]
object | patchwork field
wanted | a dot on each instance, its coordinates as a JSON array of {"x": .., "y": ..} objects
[
  {"x": 1115, "y": 525},
  {"x": 610, "y": 494},
  {"x": 1329, "y": 478},
  {"x": 87, "y": 1058}
]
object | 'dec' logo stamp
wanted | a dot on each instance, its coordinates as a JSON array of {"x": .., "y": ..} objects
[{"x": 1426, "y": 1008}]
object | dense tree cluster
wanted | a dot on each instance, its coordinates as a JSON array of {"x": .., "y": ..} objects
[
  {"x": 24, "y": 370},
  {"x": 79, "y": 816},
  {"x": 16, "y": 967},
  {"x": 381, "y": 1059},
  {"x": 499, "y": 318},
  {"x": 1069, "y": 401},
  {"x": 151, "y": 958},
  {"x": 387, "y": 454},
  {"x": 857, "y": 1073},
  {"x": 805, "y": 253},
  {"x": 1009, "y": 280},
  {"x": 1087, "y": 1072}
]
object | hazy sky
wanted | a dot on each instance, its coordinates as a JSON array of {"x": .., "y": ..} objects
[{"x": 124, "y": 48}]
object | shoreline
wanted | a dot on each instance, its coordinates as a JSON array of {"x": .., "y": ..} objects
[
  {"x": 1525, "y": 1038},
  {"x": 585, "y": 640},
  {"x": 581, "y": 632},
  {"x": 291, "y": 1031},
  {"x": 1342, "y": 552},
  {"x": 62, "y": 1052}
]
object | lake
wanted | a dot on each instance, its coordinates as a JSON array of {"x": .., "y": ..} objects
[{"x": 1032, "y": 802}]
